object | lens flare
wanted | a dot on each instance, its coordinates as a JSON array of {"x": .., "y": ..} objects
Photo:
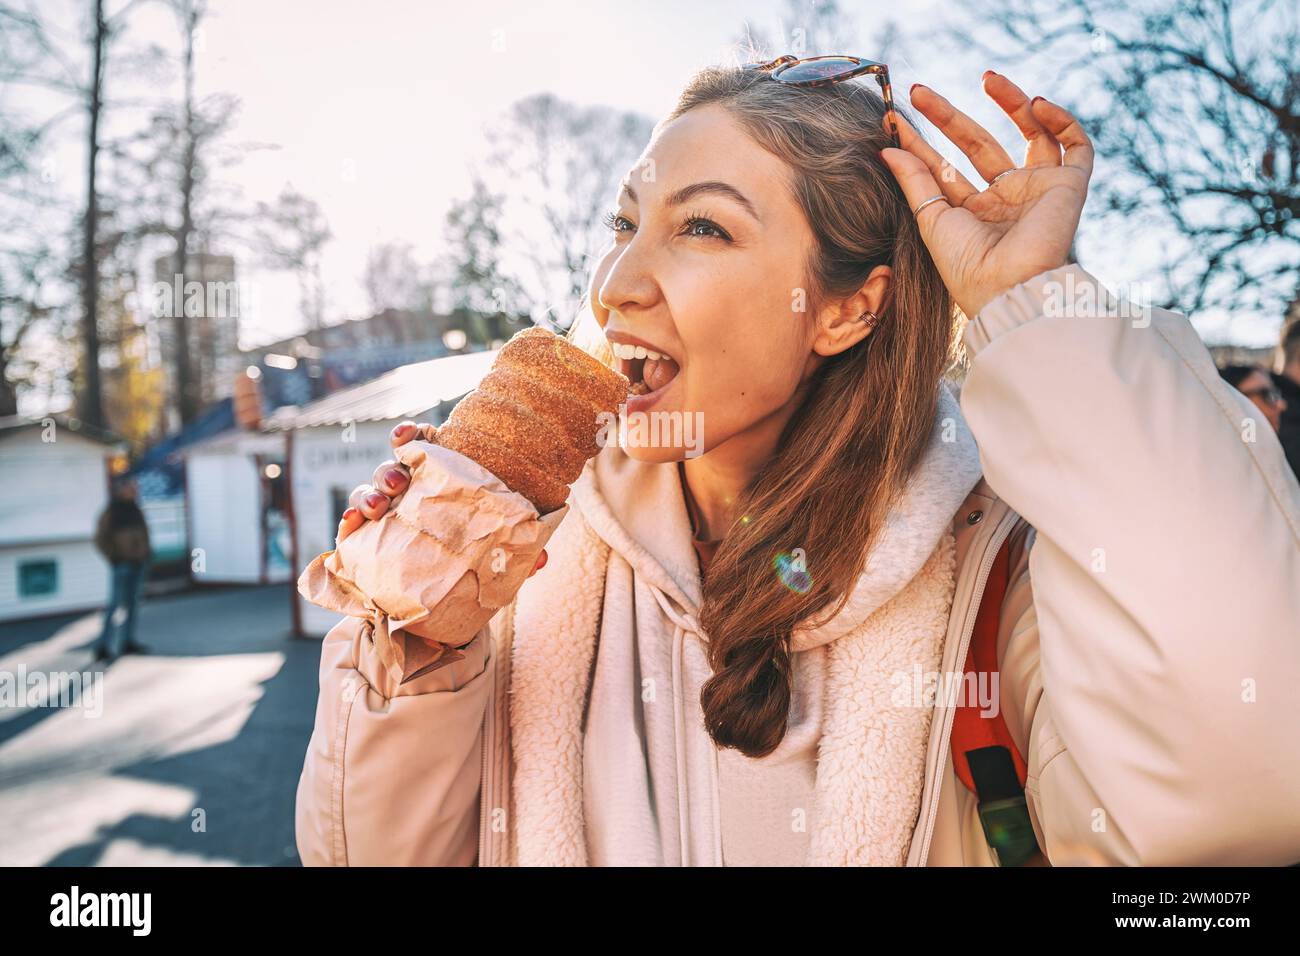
[{"x": 792, "y": 573}]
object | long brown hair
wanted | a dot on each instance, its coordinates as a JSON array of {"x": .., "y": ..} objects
[{"x": 866, "y": 413}]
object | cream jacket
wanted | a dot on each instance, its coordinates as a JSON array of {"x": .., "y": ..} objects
[{"x": 1149, "y": 646}]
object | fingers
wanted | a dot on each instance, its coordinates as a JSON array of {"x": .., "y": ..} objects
[
  {"x": 391, "y": 478},
  {"x": 949, "y": 180},
  {"x": 402, "y": 433},
  {"x": 408, "y": 431},
  {"x": 918, "y": 185},
  {"x": 352, "y": 520},
  {"x": 985, "y": 153},
  {"x": 1042, "y": 148},
  {"x": 1068, "y": 132},
  {"x": 369, "y": 501}
]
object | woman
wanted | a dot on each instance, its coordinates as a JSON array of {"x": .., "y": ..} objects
[
  {"x": 804, "y": 308},
  {"x": 1254, "y": 382}
]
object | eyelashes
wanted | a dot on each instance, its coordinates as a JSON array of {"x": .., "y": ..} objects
[
  {"x": 612, "y": 221},
  {"x": 693, "y": 221}
]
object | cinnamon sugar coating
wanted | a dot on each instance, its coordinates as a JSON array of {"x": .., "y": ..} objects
[{"x": 535, "y": 417}]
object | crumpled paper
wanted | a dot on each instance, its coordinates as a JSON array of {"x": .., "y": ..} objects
[{"x": 450, "y": 552}]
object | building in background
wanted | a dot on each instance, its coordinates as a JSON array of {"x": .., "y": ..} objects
[
  {"x": 236, "y": 504},
  {"x": 303, "y": 368},
  {"x": 335, "y": 444},
  {"x": 160, "y": 477},
  {"x": 53, "y": 485},
  {"x": 211, "y": 293}
]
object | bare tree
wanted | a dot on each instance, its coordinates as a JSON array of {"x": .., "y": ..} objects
[
  {"x": 394, "y": 280},
  {"x": 1197, "y": 105},
  {"x": 25, "y": 303},
  {"x": 188, "y": 13},
  {"x": 803, "y": 28},
  {"x": 34, "y": 58},
  {"x": 290, "y": 234},
  {"x": 534, "y": 219},
  {"x": 92, "y": 399}
]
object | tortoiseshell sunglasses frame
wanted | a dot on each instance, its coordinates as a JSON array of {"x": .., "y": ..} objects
[{"x": 857, "y": 67}]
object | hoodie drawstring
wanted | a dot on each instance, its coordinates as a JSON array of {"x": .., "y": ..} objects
[{"x": 683, "y": 623}]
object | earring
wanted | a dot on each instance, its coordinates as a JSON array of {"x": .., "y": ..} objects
[{"x": 874, "y": 318}]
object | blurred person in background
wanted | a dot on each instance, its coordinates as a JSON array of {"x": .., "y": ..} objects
[
  {"x": 1288, "y": 385},
  {"x": 122, "y": 537},
  {"x": 1254, "y": 382}
]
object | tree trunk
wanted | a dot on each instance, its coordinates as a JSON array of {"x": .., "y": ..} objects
[
  {"x": 92, "y": 402},
  {"x": 188, "y": 391}
]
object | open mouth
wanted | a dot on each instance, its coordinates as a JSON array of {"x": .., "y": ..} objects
[{"x": 648, "y": 370}]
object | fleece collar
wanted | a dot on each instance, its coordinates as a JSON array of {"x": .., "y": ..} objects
[{"x": 638, "y": 509}]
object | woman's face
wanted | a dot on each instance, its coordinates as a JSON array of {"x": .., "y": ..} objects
[
  {"x": 1258, "y": 387},
  {"x": 707, "y": 270}
]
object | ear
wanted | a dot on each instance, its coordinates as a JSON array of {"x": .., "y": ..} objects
[{"x": 843, "y": 323}]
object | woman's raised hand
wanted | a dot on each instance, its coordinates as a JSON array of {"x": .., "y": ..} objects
[
  {"x": 370, "y": 501},
  {"x": 984, "y": 242}
]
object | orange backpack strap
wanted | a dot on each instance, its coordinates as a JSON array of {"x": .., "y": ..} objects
[{"x": 984, "y": 754}]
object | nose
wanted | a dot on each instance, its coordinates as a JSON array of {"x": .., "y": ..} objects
[{"x": 628, "y": 283}]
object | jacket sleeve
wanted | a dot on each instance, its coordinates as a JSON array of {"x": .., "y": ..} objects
[
  {"x": 392, "y": 772},
  {"x": 1151, "y": 668}
]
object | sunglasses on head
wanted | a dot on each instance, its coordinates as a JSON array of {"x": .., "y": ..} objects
[{"x": 825, "y": 70}]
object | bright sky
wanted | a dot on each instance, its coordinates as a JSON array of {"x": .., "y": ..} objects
[
  {"x": 377, "y": 108},
  {"x": 379, "y": 113}
]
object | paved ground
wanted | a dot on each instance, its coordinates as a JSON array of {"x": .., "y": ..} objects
[{"x": 189, "y": 755}]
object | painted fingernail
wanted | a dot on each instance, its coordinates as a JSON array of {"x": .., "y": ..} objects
[
  {"x": 350, "y": 514},
  {"x": 402, "y": 429},
  {"x": 373, "y": 500},
  {"x": 394, "y": 478},
  {"x": 987, "y": 74},
  {"x": 914, "y": 87}
]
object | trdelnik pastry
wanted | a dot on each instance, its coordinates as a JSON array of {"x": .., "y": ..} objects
[
  {"x": 535, "y": 417},
  {"x": 487, "y": 490}
]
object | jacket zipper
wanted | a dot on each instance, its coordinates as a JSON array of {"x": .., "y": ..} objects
[
  {"x": 945, "y": 733},
  {"x": 485, "y": 786},
  {"x": 494, "y": 723}
]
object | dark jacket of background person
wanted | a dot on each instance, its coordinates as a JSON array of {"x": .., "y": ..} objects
[
  {"x": 1289, "y": 433},
  {"x": 122, "y": 536}
]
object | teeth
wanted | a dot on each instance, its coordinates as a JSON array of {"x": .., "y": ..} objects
[{"x": 630, "y": 352}]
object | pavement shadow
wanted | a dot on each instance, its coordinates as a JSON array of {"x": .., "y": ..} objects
[{"x": 243, "y": 786}]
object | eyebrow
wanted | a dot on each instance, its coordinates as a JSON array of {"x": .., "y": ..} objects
[{"x": 687, "y": 193}]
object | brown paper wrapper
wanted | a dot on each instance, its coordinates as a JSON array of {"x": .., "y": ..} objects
[{"x": 451, "y": 551}]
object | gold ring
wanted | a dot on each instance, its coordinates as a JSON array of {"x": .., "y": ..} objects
[{"x": 917, "y": 210}]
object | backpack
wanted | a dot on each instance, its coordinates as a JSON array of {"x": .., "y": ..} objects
[{"x": 984, "y": 754}]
